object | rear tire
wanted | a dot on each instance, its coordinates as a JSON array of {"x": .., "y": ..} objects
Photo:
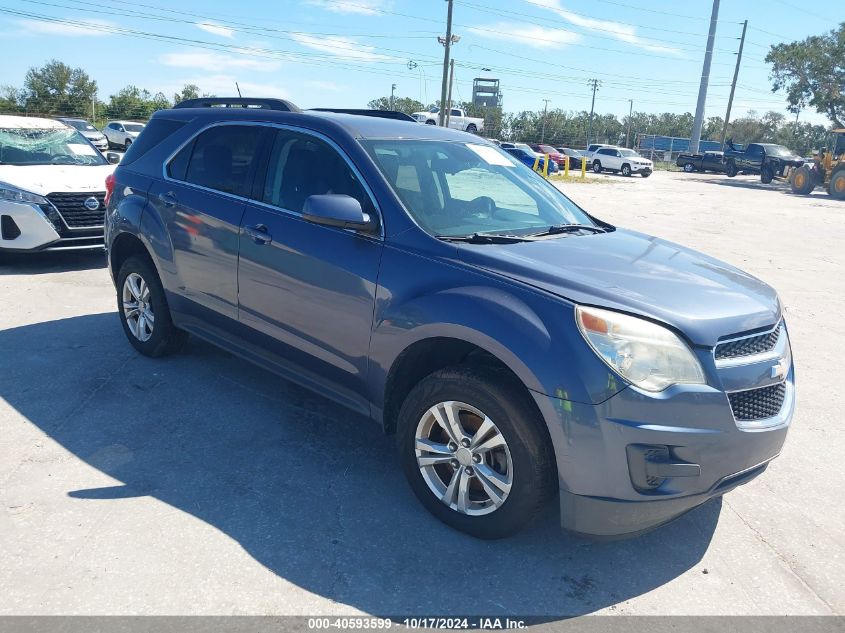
[
  {"x": 837, "y": 184},
  {"x": 802, "y": 181},
  {"x": 471, "y": 128},
  {"x": 431, "y": 122},
  {"x": 730, "y": 169},
  {"x": 143, "y": 310},
  {"x": 596, "y": 167},
  {"x": 522, "y": 455},
  {"x": 126, "y": 144}
]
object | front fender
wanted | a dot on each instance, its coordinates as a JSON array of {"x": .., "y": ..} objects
[{"x": 534, "y": 334}]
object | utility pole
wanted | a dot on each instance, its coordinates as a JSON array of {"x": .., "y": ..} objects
[
  {"x": 449, "y": 97},
  {"x": 447, "y": 44},
  {"x": 545, "y": 110},
  {"x": 630, "y": 114},
  {"x": 392, "y": 89},
  {"x": 595, "y": 83},
  {"x": 93, "y": 107},
  {"x": 733, "y": 85},
  {"x": 705, "y": 79}
]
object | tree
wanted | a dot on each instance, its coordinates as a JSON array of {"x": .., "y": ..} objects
[
  {"x": 133, "y": 103},
  {"x": 11, "y": 99},
  {"x": 400, "y": 104},
  {"x": 812, "y": 72},
  {"x": 56, "y": 88},
  {"x": 190, "y": 91}
]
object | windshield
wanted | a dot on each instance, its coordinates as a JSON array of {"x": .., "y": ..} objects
[
  {"x": 628, "y": 152},
  {"x": 55, "y": 146},
  {"x": 777, "y": 150},
  {"x": 133, "y": 127},
  {"x": 458, "y": 189},
  {"x": 82, "y": 126}
]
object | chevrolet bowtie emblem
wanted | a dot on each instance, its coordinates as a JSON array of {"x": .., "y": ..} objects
[{"x": 779, "y": 369}]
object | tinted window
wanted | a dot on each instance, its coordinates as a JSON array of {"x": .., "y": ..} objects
[
  {"x": 153, "y": 133},
  {"x": 223, "y": 158},
  {"x": 592, "y": 148},
  {"x": 607, "y": 152},
  {"x": 755, "y": 150},
  {"x": 456, "y": 113},
  {"x": 301, "y": 165},
  {"x": 178, "y": 167},
  {"x": 114, "y": 126}
]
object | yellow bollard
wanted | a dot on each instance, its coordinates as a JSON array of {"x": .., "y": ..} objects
[
  {"x": 546, "y": 167},
  {"x": 536, "y": 163},
  {"x": 583, "y": 167},
  {"x": 566, "y": 166}
]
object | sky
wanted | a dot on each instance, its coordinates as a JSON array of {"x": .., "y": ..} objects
[{"x": 343, "y": 53}]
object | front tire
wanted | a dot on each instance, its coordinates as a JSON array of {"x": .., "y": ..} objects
[
  {"x": 431, "y": 122},
  {"x": 626, "y": 170},
  {"x": 596, "y": 166},
  {"x": 730, "y": 169},
  {"x": 802, "y": 181},
  {"x": 767, "y": 174},
  {"x": 837, "y": 184},
  {"x": 689, "y": 168},
  {"x": 475, "y": 451},
  {"x": 143, "y": 310}
]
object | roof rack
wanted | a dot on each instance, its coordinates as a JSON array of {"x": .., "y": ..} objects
[
  {"x": 238, "y": 102},
  {"x": 381, "y": 114}
]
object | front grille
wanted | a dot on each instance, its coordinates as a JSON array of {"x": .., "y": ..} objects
[
  {"x": 748, "y": 346},
  {"x": 758, "y": 404},
  {"x": 71, "y": 206}
]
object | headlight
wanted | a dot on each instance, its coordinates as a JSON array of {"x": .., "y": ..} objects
[
  {"x": 650, "y": 356},
  {"x": 13, "y": 194}
]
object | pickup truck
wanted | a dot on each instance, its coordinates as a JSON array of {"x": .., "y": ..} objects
[
  {"x": 708, "y": 161},
  {"x": 458, "y": 120},
  {"x": 766, "y": 159}
]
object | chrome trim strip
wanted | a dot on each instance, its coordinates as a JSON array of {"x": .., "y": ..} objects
[{"x": 281, "y": 126}]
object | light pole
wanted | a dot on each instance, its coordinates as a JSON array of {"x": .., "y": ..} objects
[
  {"x": 545, "y": 111},
  {"x": 705, "y": 79},
  {"x": 392, "y": 90},
  {"x": 447, "y": 44},
  {"x": 595, "y": 83},
  {"x": 630, "y": 114}
]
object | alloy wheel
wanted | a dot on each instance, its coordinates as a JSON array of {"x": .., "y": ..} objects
[
  {"x": 137, "y": 307},
  {"x": 463, "y": 458}
]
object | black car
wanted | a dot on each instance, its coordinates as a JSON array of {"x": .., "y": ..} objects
[{"x": 708, "y": 161}]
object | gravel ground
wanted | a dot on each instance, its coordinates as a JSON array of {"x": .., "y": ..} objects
[{"x": 199, "y": 484}]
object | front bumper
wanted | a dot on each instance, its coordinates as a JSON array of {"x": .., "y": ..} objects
[
  {"x": 28, "y": 227},
  {"x": 641, "y": 169},
  {"x": 593, "y": 447}
]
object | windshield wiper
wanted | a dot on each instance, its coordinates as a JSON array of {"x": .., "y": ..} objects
[
  {"x": 568, "y": 228},
  {"x": 485, "y": 238}
]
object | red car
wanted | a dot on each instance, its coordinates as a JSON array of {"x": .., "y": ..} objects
[{"x": 554, "y": 155}]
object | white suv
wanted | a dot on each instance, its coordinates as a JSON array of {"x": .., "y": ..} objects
[
  {"x": 621, "y": 159},
  {"x": 52, "y": 186},
  {"x": 122, "y": 133}
]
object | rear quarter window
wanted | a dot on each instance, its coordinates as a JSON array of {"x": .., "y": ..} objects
[{"x": 153, "y": 133}]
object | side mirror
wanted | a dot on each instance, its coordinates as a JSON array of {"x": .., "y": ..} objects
[
  {"x": 113, "y": 158},
  {"x": 342, "y": 211}
]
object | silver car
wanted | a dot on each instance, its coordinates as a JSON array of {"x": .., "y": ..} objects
[
  {"x": 122, "y": 133},
  {"x": 87, "y": 129}
]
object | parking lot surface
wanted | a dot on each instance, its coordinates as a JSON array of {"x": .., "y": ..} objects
[{"x": 199, "y": 484}]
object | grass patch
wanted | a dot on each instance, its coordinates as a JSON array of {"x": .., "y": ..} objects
[{"x": 578, "y": 180}]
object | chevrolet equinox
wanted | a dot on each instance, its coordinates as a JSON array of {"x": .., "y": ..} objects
[{"x": 518, "y": 347}]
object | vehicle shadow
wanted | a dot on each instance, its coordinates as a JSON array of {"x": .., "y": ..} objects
[
  {"x": 312, "y": 492},
  {"x": 749, "y": 182},
  {"x": 51, "y": 262}
]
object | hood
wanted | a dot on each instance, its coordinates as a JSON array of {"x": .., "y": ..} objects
[
  {"x": 701, "y": 296},
  {"x": 93, "y": 135},
  {"x": 44, "y": 179}
]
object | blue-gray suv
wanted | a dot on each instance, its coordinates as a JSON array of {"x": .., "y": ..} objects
[{"x": 519, "y": 347}]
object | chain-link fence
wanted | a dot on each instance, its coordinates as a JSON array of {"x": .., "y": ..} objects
[{"x": 663, "y": 151}]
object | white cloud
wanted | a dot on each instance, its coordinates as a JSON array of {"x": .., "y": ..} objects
[
  {"x": 215, "y": 29},
  {"x": 622, "y": 32},
  {"x": 217, "y": 62},
  {"x": 79, "y": 28},
  {"x": 341, "y": 47},
  {"x": 361, "y": 7},
  {"x": 534, "y": 36}
]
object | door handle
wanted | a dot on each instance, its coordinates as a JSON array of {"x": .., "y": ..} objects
[
  {"x": 168, "y": 199},
  {"x": 259, "y": 233}
]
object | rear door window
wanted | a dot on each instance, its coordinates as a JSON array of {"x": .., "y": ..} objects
[{"x": 222, "y": 158}]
